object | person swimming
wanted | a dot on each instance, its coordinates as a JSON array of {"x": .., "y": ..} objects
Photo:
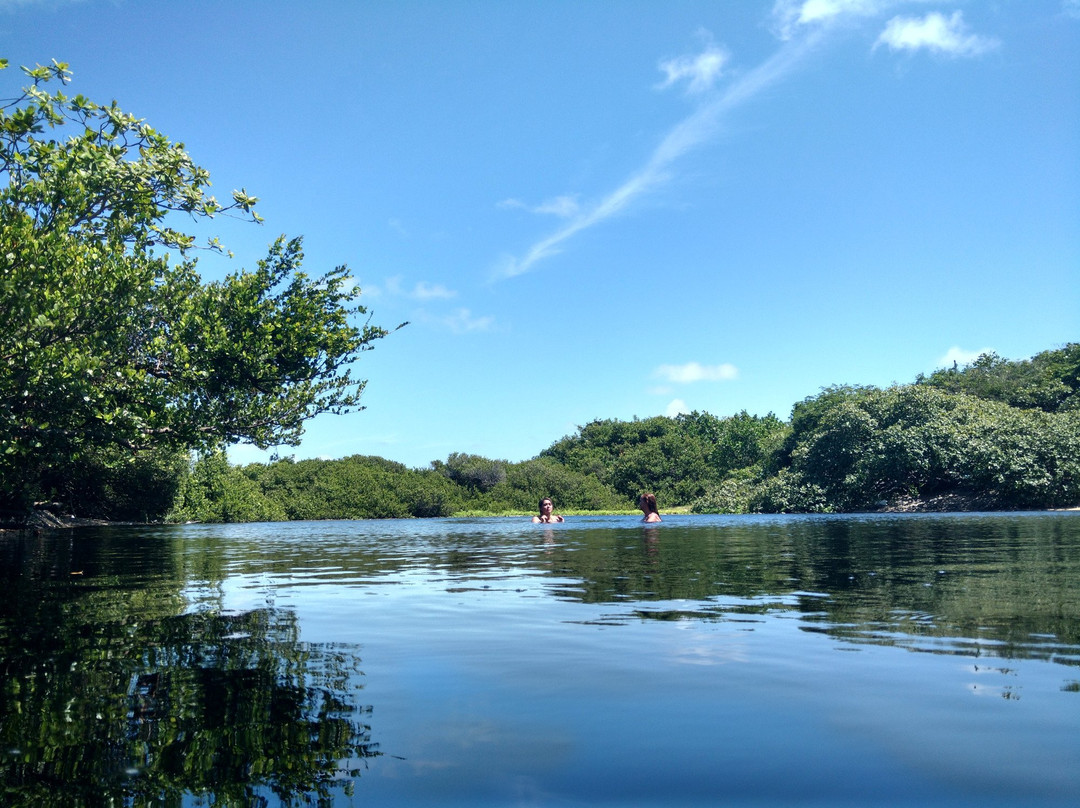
[
  {"x": 546, "y": 515},
  {"x": 647, "y": 503}
]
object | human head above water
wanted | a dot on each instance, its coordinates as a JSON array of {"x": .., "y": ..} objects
[
  {"x": 548, "y": 501},
  {"x": 647, "y": 503}
]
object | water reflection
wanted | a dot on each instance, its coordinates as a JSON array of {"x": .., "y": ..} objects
[
  {"x": 973, "y": 585},
  {"x": 112, "y": 695},
  {"x": 171, "y": 665}
]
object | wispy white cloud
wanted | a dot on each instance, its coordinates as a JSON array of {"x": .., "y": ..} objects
[
  {"x": 934, "y": 32},
  {"x": 688, "y": 134},
  {"x": 369, "y": 289},
  {"x": 460, "y": 321},
  {"x": 800, "y": 24},
  {"x": 564, "y": 206},
  {"x": 428, "y": 291},
  {"x": 1071, "y": 8},
  {"x": 699, "y": 72},
  {"x": 676, "y": 407},
  {"x": 421, "y": 290},
  {"x": 696, "y": 372},
  {"x": 821, "y": 10},
  {"x": 959, "y": 356},
  {"x": 790, "y": 15}
]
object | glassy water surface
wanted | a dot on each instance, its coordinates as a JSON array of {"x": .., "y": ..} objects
[{"x": 745, "y": 660}]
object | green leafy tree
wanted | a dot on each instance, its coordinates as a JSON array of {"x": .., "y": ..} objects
[
  {"x": 110, "y": 345},
  {"x": 473, "y": 471},
  {"x": 678, "y": 459},
  {"x": 115, "y": 486},
  {"x": 215, "y": 491},
  {"x": 861, "y": 448},
  {"x": 1049, "y": 381},
  {"x": 526, "y": 482},
  {"x": 355, "y": 487},
  {"x": 611, "y": 450}
]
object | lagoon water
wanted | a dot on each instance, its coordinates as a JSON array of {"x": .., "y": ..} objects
[{"x": 708, "y": 660}]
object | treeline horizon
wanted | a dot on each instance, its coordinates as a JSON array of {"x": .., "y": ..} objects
[
  {"x": 995, "y": 434},
  {"x": 124, "y": 375}
]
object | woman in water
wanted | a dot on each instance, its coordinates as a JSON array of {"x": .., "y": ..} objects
[
  {"x": 647, "y": 503},
  {"x": 546, "y": 514}
]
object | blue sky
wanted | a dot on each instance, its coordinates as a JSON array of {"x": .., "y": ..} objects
[{"x": 607, "y": 210}]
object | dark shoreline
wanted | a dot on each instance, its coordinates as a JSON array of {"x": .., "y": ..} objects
[{"x": 42, "y": 521}]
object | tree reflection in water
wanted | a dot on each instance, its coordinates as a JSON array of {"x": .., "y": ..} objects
[
  {"x": 108, "y": 699},
  {"x": 974, "y": 585}
]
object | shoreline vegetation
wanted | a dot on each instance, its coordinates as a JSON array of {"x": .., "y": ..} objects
[
  {"x": 996, "y": 435},
  {"x": 123, "y": 375},
  {"x": 42, "y": 520}
]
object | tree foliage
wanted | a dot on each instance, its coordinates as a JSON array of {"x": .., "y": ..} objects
[
  {"x": 472, "y": 471},
  {"x": 862, "y": 448},
  {"x": 113, "y": 486},
  {"x": 110, "y": 345},
  {"x": 1049, "y": 381},
  {"x": 356, "y": 487},
  {"x": 117, "y": 360},
  {"x": 849, "y": 448},
  {"x": 678, "y": 458}
]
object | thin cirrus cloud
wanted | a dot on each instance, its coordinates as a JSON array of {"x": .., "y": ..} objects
[
  {"x": 934, "y": 32},
  {"x": 691, "y": 132},
  {"x": 699, "y": 72},
  {"x": 800, "y": 26},
  {"x": 432, "y": 291},
  {"x": 696, "y": 372},
  {"x": 459, "y": 321},
  {"x": 563, "y": 206},
  {"x": 421, "y": 290}
]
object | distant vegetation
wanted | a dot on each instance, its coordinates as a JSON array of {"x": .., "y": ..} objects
[
  {"x": 996, "y": 434},
  {"x": 123, "y": 375}
]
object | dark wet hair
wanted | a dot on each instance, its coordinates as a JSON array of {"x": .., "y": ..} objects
[{"x": 650, "y": 500}]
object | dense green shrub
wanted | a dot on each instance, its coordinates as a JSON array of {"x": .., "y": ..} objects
[
  {"x": 729, "y": 496},
  {"x": 860, "y": 448},
  {"x": 528, "y": 481},
  {"x": 1049, "y": 381},
  {"x": 356, "y": 487},
  {"x": 472, "y": 471},
  {"x": 678, "y": 458},
  {"x": 849, "y": 448},
  {"x": 113, "y": 485},
  {"x": 215, "y": 491}
]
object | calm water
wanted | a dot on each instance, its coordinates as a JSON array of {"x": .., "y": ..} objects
[{"x": 906, "y": 660}]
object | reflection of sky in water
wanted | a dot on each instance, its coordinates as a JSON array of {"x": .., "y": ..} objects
[{"x": 495, "y": 679}]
